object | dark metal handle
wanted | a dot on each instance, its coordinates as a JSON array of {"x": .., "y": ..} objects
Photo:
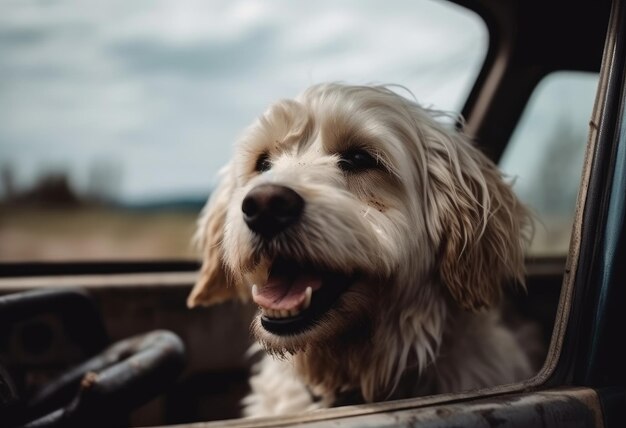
[{"x": 108, "y": 386}]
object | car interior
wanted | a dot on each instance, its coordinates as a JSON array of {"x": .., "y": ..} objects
[{"x": 160, "y": 363}]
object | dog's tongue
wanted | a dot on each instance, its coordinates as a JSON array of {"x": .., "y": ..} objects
[{"x": 284, "y": 291}]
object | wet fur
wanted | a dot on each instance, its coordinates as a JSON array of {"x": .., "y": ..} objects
[{"x": 433, "y": 233}]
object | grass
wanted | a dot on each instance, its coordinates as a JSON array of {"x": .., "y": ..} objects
[{"x": 89, "y": 234}]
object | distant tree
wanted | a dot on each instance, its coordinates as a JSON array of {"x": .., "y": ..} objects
[
  {"x": 51, "y": 189},
  {"x": 8, "y": 182}
]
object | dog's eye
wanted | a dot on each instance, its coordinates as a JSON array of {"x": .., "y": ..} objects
[
  {"x": 263, "y": 163},
  {"x": 357, "y": 160}
]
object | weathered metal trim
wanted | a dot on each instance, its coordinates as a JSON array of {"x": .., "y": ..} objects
[
  {"x": 110, "y": 280},
  {"x": 99, "y": 281},
  {"x": 571, "y": 407},
  {"x": 571, "y": 267},
  {"x": 602, "y": 365}
]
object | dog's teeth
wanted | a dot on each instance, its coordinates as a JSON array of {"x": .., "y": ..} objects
[
  {"x": 255, "y": 290},
  {"x": 307, "y": 299},
  {"x": 280, "y": 313}
]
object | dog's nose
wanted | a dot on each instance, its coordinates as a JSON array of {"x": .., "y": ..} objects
[{"x": 269, "y": 208}]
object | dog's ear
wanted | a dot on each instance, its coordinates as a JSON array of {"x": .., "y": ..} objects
[
  {"x": 214, "y": 285},
  {"x": 482, "y": 227}
]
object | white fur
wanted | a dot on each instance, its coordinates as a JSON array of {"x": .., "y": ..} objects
[{"x": 434, "y": 232}]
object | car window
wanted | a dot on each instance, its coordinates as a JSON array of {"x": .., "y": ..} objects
[
  {"x": 545, "y": 155},
  {"x": 114, "y": 120}
]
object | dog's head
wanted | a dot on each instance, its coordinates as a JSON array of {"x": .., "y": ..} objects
[{"x": 349, "y": 206}]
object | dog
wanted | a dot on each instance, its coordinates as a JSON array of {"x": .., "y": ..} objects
[{"x": 376, "y": 241}]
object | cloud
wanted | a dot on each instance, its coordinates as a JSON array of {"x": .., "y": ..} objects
[
  {"x": 15, "y": 38},
  {"x": 201, "y": 59},
  {"x": 164, "y": 88}
]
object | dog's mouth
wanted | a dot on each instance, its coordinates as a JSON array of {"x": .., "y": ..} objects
[{"x": 295, "y": 297}]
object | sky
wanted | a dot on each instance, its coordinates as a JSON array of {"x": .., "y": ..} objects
[{"x": 146, "y": 98}]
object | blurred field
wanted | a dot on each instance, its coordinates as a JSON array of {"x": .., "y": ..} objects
[{"x": 93, "y": 233}]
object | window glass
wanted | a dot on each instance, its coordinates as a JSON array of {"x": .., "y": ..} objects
[
  {"x": 545, "y": 155},
  {"x": 115, "y": 117}
]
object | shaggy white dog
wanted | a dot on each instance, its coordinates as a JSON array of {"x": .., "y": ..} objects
[{"x": 374, "y": 240}]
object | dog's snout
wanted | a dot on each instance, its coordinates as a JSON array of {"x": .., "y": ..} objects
[{"x": 270, "y": 208}]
